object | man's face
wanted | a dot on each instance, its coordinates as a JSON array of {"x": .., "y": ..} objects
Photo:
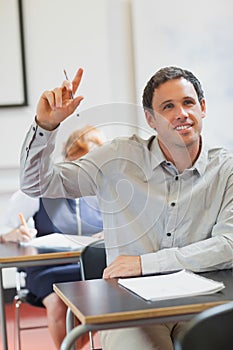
[{"x": 177, "y": 113}]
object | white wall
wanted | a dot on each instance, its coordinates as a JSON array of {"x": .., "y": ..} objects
[{"x": 194, "y": 35}]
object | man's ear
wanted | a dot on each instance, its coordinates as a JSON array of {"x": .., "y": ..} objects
[
  {"x": 203, "y": 108},
  {"x": 150, "y": 118}
]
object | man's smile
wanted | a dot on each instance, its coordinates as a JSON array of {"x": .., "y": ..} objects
[{"x": 183, "y": 127}]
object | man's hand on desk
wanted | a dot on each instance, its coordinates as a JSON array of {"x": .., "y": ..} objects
[
  {"x": 21, "y": 234},
  {"x": 124, "y": 266}
]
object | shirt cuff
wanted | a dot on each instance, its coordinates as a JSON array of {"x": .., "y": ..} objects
[
  {"x": 161, "y": 261},
  {"x": 41, "y": 135}
]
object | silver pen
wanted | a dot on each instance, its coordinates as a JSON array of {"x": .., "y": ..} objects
[{"x": 66, "y": 75}]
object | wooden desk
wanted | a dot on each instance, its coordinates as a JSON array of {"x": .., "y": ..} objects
[
  {"x": 103, "y": 304},
  {"x": 14, "y": 255}
]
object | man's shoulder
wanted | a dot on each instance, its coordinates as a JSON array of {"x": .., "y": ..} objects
[
  {"x": 133, "y": 148},
  {"x": 132, "y": 141},
  {"x": 221, "y": 154}
]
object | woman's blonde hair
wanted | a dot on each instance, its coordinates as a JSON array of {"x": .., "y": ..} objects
[{"x": 82, "y": 141}]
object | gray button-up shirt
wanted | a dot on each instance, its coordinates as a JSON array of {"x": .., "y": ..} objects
[{"x": 171, "y": 220}]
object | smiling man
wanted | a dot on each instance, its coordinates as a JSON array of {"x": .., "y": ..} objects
[{"x": 166, "y": 202}]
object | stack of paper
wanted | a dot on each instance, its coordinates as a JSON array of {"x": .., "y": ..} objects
[
  {"x": 174, "y": 285},
  {"x": 60, "y": 241}
]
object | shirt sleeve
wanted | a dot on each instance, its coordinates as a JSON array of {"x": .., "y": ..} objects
[
  {"x": 40, "y": 177},
  {"x": 210, "y": 254}
]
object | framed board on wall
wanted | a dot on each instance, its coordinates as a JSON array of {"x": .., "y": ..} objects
[{"x": 13, "y": 87}]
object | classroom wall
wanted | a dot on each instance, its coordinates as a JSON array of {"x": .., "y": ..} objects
[{"x": 198, "y": 36}]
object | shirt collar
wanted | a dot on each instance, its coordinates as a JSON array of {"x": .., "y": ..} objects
[
  {"x": 201, "y": 162},
  {"x": 157, "y": 157}
]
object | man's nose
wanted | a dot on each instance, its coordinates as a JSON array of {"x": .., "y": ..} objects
[{"x": 181, "y": 112}]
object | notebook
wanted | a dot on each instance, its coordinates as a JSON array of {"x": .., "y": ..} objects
[
  {"x": 60, "y": 241},
  {"x": 169, "y": 286}
]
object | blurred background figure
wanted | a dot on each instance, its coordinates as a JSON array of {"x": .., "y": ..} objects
[{"x": 79, "y": 216}]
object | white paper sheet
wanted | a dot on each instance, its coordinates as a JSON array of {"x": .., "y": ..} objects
[
  {"x": 60, "y": 241},
  {"x": 169, "y": 286}
]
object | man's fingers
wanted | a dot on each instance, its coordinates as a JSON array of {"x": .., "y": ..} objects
[
  {"x": 77, "y": 79},
  {"x": 50, "y": 98},
  {"x": 55, "y": 97},
  {"x": 67, "y": 84},
  {"x": 77, "y": 101},
  {"x": 124, "y": 266}
]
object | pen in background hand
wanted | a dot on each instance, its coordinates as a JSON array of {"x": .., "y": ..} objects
[
  {"x": 22, "y": 220},
  {"x": 26, "y": 232},
  {"x": 66, "y": 75}
]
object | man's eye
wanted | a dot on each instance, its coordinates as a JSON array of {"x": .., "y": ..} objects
[
  {"x": 168, "y": 106},
  {"x": 188, "y": 102}
]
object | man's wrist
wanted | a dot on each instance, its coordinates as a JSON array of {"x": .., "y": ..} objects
[{"x": 45, "y": 125}]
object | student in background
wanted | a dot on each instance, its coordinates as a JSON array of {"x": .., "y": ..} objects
[
  {"x": 61, "y": 215},
  {"x": 166, "y": 202}
]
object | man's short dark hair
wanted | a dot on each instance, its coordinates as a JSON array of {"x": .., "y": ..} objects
[{"x": 166, "y": 74}]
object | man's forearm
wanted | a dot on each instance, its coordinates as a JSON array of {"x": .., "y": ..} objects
[
  {"x": 206, "y": 255},
  {"x": 36, "y": 160}
]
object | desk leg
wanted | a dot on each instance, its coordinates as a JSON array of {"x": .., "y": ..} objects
[
  {"x": 3, "y": 314},
  {"x": 70, "y": 322},
  {"x": 73, "y": 335}
]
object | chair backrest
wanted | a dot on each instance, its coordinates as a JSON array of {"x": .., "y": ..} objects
[
  {"x": 93, "y": 260},
  {"x": 212, "y": 329}
]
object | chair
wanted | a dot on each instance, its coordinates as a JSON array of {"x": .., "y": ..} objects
[
  {"x": 212, "y": 329},
  {"x": 92, "y": 264},
  {"x": 23, "y": 295},
  {"x": 93, "y": 260}
]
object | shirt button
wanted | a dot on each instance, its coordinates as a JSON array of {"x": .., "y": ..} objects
[
  {"x": 33, "y": 128},
  {"x": 173, "y": 204},
  {"x": 177, "y": 178},
  {"x": 41, "y": 134},
  {"x": 169, "y": 234}
]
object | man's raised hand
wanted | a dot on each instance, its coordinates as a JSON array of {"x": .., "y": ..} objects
[{"x": 56, "y": 105}]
